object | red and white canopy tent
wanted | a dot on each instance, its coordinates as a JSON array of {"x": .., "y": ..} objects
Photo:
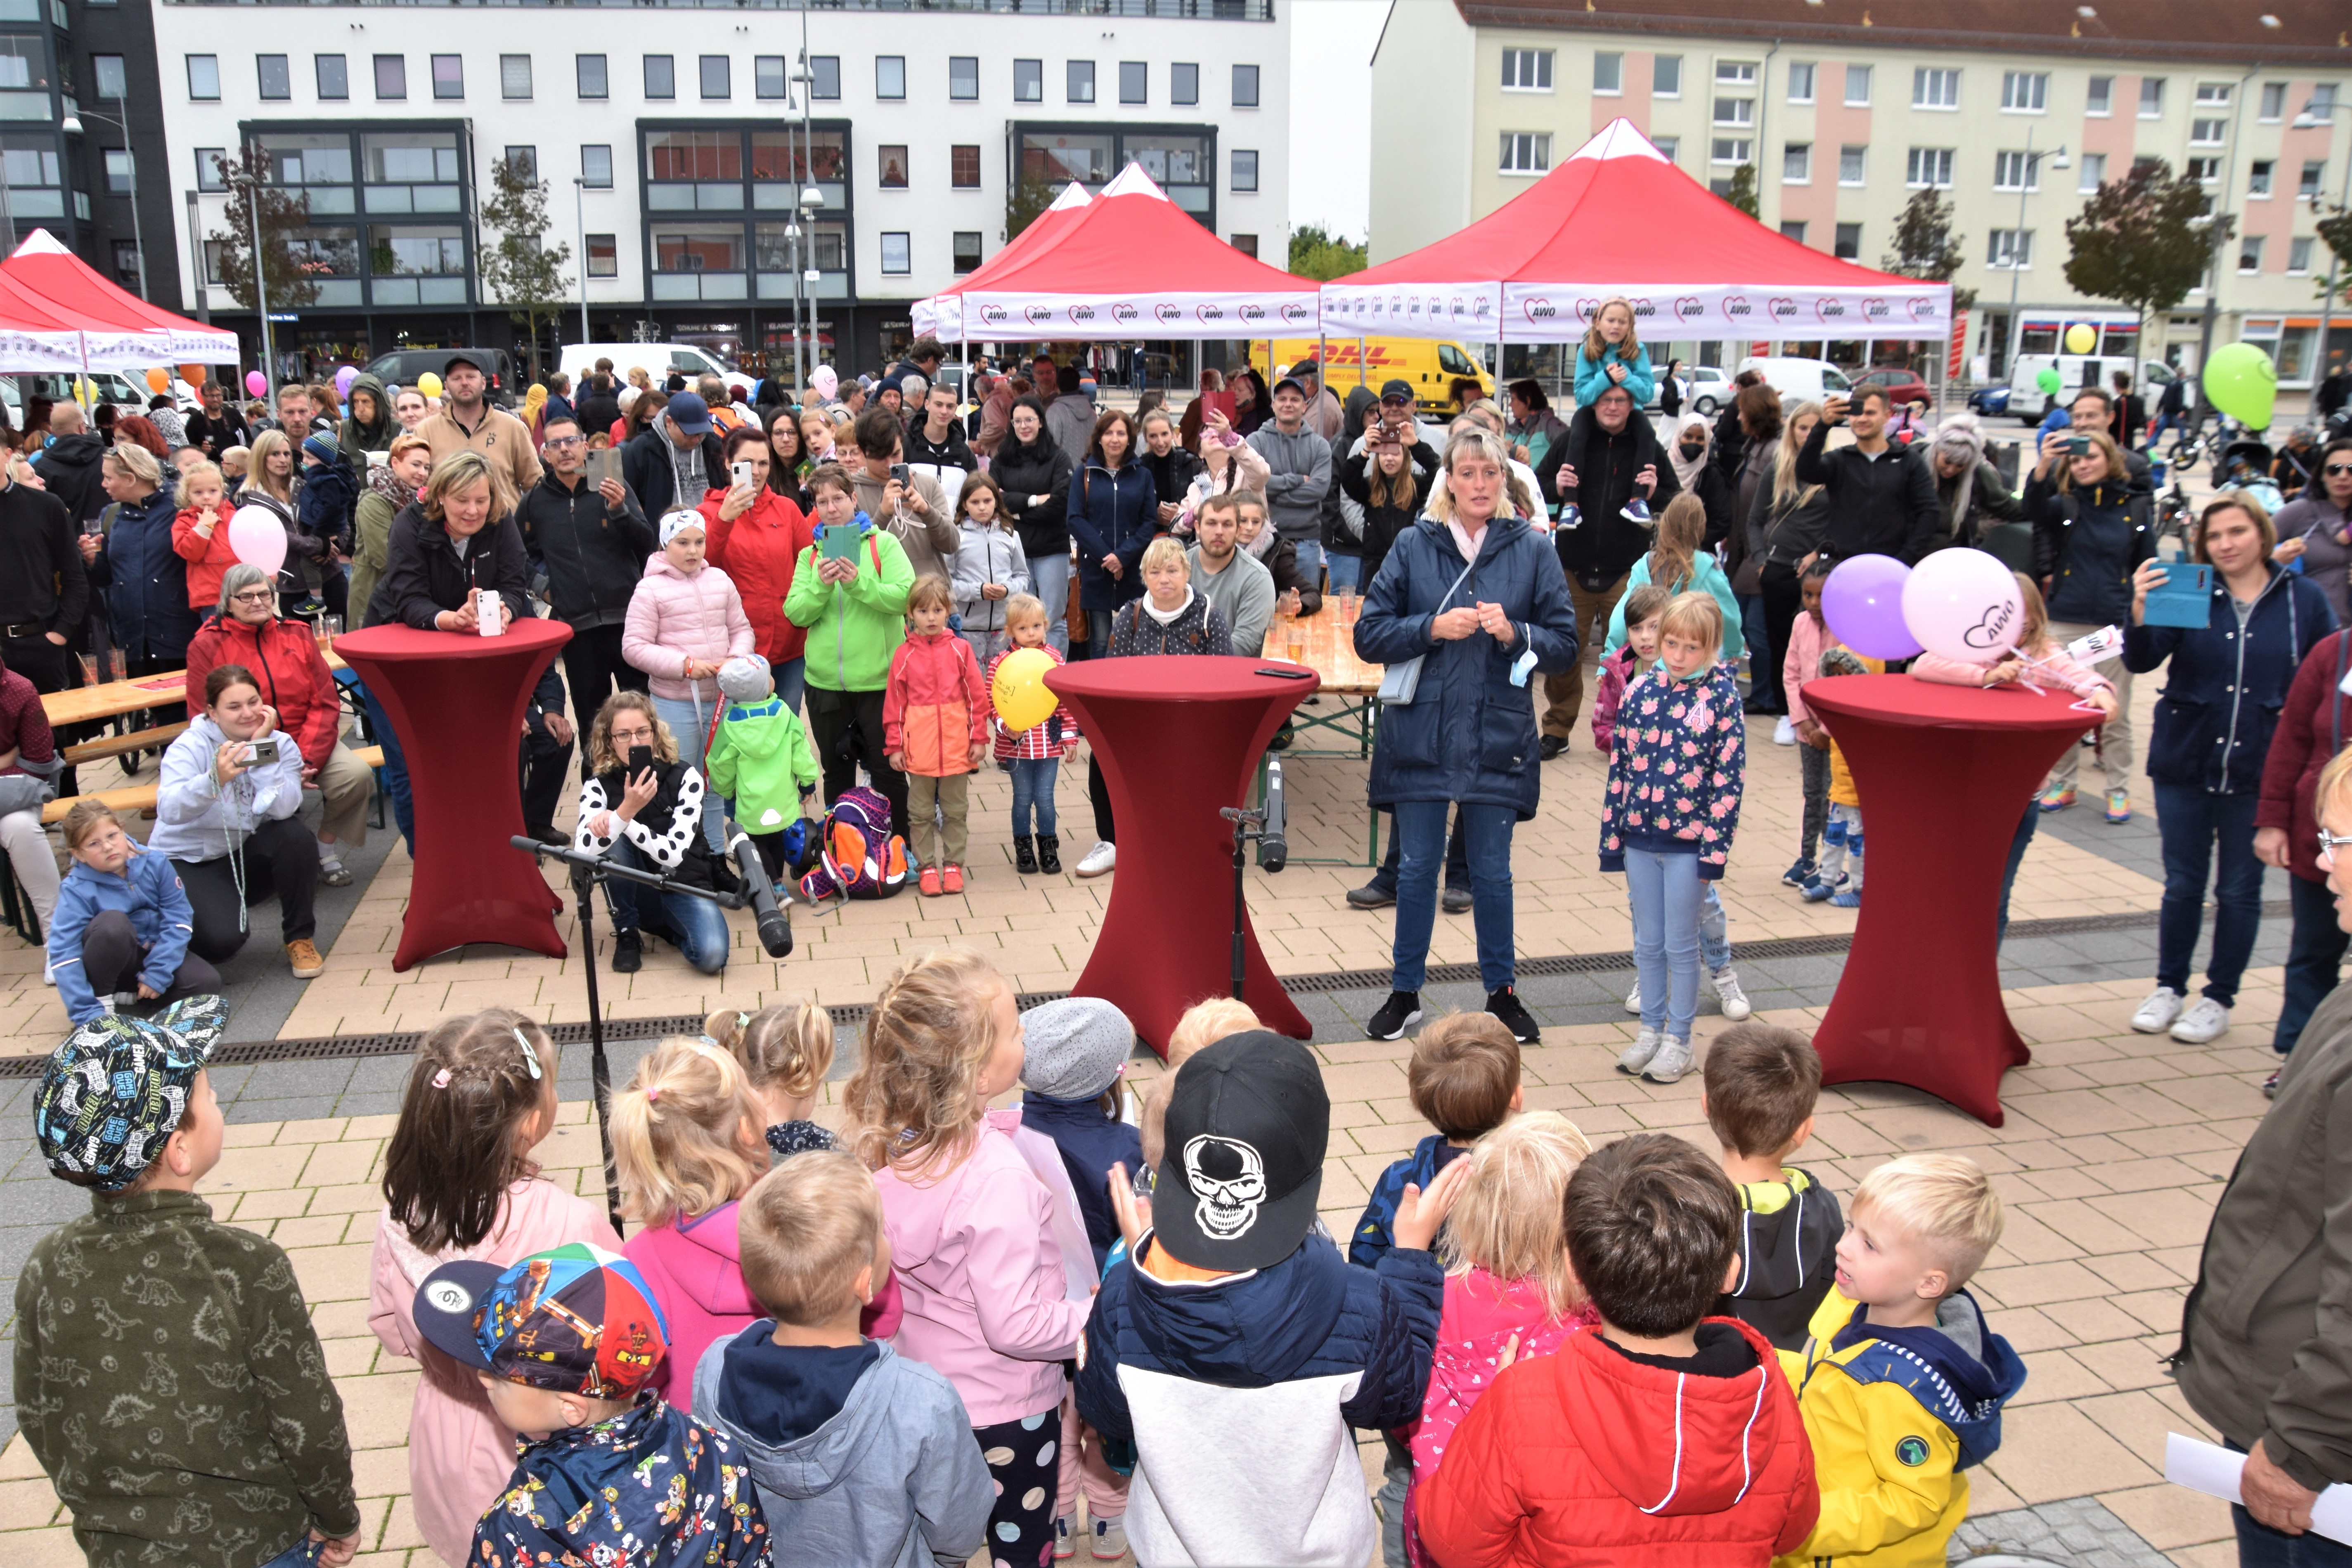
[
  {"x": 54, "y": 307},
  {"x": 1129, "y": 264},
  {"x": 1618, "y": 218},
  {"x": 1041, "y": 231}
]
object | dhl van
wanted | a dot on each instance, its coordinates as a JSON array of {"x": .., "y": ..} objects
[{"x": 1431, "y": 364}]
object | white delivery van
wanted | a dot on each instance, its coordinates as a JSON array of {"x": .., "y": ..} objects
[
  {"x": 2030, "y": 403},
  {"x": 1800, "y": 380},
  {"x": 658, "y": 361}
]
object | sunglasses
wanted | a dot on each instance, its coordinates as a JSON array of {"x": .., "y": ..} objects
[{"x": 2335, "y": 468}]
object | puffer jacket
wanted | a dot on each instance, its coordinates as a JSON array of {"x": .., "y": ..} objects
[
  {"x": 208, "y": 559},
  {"x": 198, "y": 818},
  {"x": 1039, "y": 468},
  {"x": 1278, "y": 1363},
  {"x": 987, "y": 555},
  {"x": 1111, "y": 513},
  {"x": 149, "y": 891},
  {"x": 758, "y": 550},
  {"x": 2224, "y": 693},
  {"x": 674, "y": 618},
  {"x": 2088, "y": 542},
  {"x": 854, "y": 628},
  {"x": 322, "y": 507},
  {"x": 1564, "y": 1463},
  {"x": 146, "y": 581},
  {"x": 1470, "y": 733},
  {"x": 285, "y": 660},
  {"x": 2312, "y": 728},
  {"x": 594, "y": 555},
  {"x": 1374, "y": 1235},
  {"x": 935, "y": 708}
]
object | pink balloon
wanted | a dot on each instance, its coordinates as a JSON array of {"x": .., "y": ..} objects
[
  {"x": 256, "y": 382},
  {"x": 257, "y": 538},
  {"x": 1963, "y": 605}
]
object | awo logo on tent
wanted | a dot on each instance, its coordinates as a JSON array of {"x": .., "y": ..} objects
[
  {"x": 1124, "y": 313},
  {"x": 1782, "y": 308},
  {"x": 1830, "y": 309},
  {"x": 1036, "y": 315},
  {"x": 1250, "y": 312},
  {"x": 1643, "y": 310},
  {"x": 1922, "y": 309},
  {"x": 1293, "y": 312},
  {"x": 1536, "y": 308},
  {"x": 1209, "y": 313},
  {"x": 1690, "y": 307},
  {"x": 994, "y": 315},
  {"x": 1082, "y": 312},
  {"x": 1875, "y": 309},
  {"x": 1737, "y": 306},
  {"x": 1168, "y": 312}
]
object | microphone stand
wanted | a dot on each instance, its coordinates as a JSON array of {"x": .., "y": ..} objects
[{"x": 1248, "y": 823}]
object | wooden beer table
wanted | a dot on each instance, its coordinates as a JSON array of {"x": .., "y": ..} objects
[{"x": 1326, "y": 643}]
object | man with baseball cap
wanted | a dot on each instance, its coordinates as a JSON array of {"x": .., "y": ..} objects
[
  {"x": 1236, "y": 1349},
  {"x": 467, "y": 419},
  {"x": 677, "y": 458}
]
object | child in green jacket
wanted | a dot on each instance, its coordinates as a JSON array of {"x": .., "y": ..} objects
[{"x": 761, "y": 761}]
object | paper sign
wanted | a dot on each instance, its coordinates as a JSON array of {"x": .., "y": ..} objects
[
  {"x": 2099, "y": 645},
  {"x": 2214, "y": 1470}
]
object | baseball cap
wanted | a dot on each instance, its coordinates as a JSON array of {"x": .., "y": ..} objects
[
  {"x": 455, "y": 360},
  {"x": 1248, "y": 1125},
  {"x": 1293, "y": 383},
  {"x": 574, "y": 1320},
  {"x": 117, "y": 1088},
  {"x": 689, "y": 413},
  {"x": 1396, "y": 386}
]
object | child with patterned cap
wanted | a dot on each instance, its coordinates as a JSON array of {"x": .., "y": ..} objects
[
  {"x": 565, "y": 1344},
  {"x": 252, "y": 1464},
  {"x": 760, "y": 759}
]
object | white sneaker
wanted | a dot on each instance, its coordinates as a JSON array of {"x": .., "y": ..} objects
[
  {"x": 1633, "y": 998},
  {"x": 1637, "y": 1055},
  {"x": 1736, "y": 1005},
  {"x": 1672, "y": 1060},
  {"x": 1784, "y": 733},
  {"x": 2155, "y": 1015},
  {"x": 2205, "y": 1020},
  {"x": 48, "y": 975},
  {"x": 1100, "y": 859}
]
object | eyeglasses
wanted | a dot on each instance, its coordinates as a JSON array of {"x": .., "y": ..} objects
[
  {"x": 558, "y": 443},
  {"x": 255, "y": 596},
  {"x": 632, "y": 737},
  {"x": 2328, "y": 843}
]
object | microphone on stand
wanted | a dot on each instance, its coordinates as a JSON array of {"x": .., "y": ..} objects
[
  {"x": 775, "y": 925},
  {"x": 1273, "y": 836}
]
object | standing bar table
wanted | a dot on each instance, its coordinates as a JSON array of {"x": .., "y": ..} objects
[
  {"x": 1178, "y": 739},
  {"x": 457, "y": 701},
  {"x": 1920, "y": 1000}
]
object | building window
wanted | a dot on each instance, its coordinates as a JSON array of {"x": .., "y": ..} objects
[
  {"x": 967, "y": 250},
  {"x": 1929, "y": 167},
  {"x": 2016, "y": 171},
  {"x": 391, "y": 76},
  {"x": 2323, "y": 100},
  {"x": 2151, "y": 98},
  {"x": 1667, "y": 76},
  {"x": 117, "y": 171},
  {"x": 1526, "y": 71},
  {"x": 2298, "y": 254},
  {"x": 1797, "y": 163},
  {"x": 1244, "y": 168},
  {"x": 1245, "y": 87},
  {"x": 825, "y": 78},
  {"x": 1729, "y": 149},
  {"x": 768, "y": 76},
  {"x": 1741, "y": 111},
  {"x": 2101, "y": 97},
  {"x": 108, "y": 79},
  {"x": 2274, "y": 102},
  {"x": 334, "y": 76},
  {"x": 1245, "y": 243},
  {"x": 2212, "y": 95},
  {"x": 661, "y": 76},
  {"x": 204, "y": 78},
  {"x": 1735, "y": 73},
  {"x": 1849, "y": 242},
  {"x": 1525, "y": 152},
  {"x": 2258, "y": 177},
  {"x": 890, "y": 78},
  {"x": 1028, "y": 81},
  {"x": 1185, "y": 83},
  {"x": 1800, "y": 82},
  {"x": 208, "y": 170},
  {"x": 1854, "y": 165},
  {"x": 963, "y": 166},
  {"x": 596, "y": 165},
  {"x": 2313, "y": 172},
  {"x": 2094, "y": 174},
  {"x": 604, "y": 255},
  {"x": 1667, "y": 146},
  {"x": 2250, "y": 253},
  {"x": 1932, "y": 87},
  {"x": 1609, "y": 74},
  {"x": 126, "y": 263},
  {"x": 897, "y": 256},
  {"x": 1857, "y": 87},
  {"x": 514, "y": 76},
  {"x": 1078, "y": 82},
  {"x": 718, "y": 78},
  {"x": 448, "y": 76},
  {"x": 589, "y": 71},
  {"x": 2010, "y": 249},
  {"x": 524, "y": 161},
  {"x": 1134, "y": 81},
  {"x": 2025, "y": 93},
  {"x": 964, "y": 78},
  {"x": 893, "y": 164},
  {"x": 1793, "y": 228},
  {"x": 2208, "y": 132},
  {"x": 276, "y": 81}
]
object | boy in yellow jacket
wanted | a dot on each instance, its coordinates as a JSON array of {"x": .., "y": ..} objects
[{"x": 1903, "y": 1381}]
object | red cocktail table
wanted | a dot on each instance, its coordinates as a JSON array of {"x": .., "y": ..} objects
[
  {"x": 457, "y": 701},
  {"x": 1945, "y": 772},
  {"x": 1178, "y": 739}
]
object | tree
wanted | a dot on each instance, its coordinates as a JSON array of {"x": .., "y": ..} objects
[
  {"x": 1323, "y": 256},
  {"x": 2336, "y": 230},
  {"x": 518, "y": 271},
  {"x": 1926, "y": 249},
  {"x": 1742, "y": 193},
  {"x": 2136, "y": 242},
  {"x": 288, "y": 261},
  {"x": 1031, "y": 194}
]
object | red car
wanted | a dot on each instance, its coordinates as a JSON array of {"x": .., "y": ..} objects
[{"x": 1902, "y": 385}]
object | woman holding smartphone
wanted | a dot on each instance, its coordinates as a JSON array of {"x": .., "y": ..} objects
[
  {"x": 642, "y": 807},
  {"x": 756, "y": 533}
]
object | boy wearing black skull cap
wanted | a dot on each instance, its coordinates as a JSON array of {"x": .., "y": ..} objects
[{"x": 1235, "y": 1346}]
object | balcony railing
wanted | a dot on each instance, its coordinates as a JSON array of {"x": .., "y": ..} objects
[{"x": 1215, "y": 10}]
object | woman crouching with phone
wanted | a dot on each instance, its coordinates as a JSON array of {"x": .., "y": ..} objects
[
  {"x": 226, "y": 815},
  {"x": 642, "y": 807}
]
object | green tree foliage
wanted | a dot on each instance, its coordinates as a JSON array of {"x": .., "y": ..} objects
[
  {"x": 1742, "y": 193},
  {"x": 1323, "y": 256},
  {"x": 1925, "y": 248},
  {"x": 517, "y": 269},
  {"x": 289, "y": 267},
  {"x": 1028, "y": 198},
  {"x": 2133, "y": 241}
]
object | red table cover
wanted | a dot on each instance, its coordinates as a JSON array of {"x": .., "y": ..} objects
[
  {"x": 1945, "y": 773},
  {"x": 1178, "y": 739},
  {"x": 456, "y": 701}
]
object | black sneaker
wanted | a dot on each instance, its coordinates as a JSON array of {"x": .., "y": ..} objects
[
  {"x": 1401, "y": 1011},
  {"x": 1505, "y": 1004},
  {"x": 1454, "y": 901},
  {"x": 628, "y": 952},
  {"x": 1370, "y": 896},
  {"x": 1552, "y": 746}
]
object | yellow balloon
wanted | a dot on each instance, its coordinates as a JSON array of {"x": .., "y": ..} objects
[
  {"x": 2081, "y": 338},
  {"x": 429, "y": 384},
  {"x": 1022, "y": 699}
]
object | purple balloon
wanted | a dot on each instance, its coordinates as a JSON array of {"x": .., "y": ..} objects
[
  {"x": 1863, "y": 602},
  {"x": 343, "y": 379}
]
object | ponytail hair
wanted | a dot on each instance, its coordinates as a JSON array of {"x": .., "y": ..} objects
[
  {"x": 1682, "y": 529},
  {"x": 677, "y": 1133},
  {"x": 787, "y": 1047},
  {"x": 453, "y": 1152},
  {"x": 913, "y": 1103}
]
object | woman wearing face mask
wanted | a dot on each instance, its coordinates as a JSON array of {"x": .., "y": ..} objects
[
  {"x": 1035, "y": 475},
  {"x": 1693, "y": 458}
]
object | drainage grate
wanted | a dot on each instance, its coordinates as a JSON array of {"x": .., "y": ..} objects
[{"x": 329, "y": 1047}]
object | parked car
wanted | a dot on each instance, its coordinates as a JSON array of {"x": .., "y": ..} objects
[
  {"x": 1904, "y": 386},
  {"x": 1987, "y": 401},
  {"x": 403, "y": 367},
  {"x": 1708, "y": 388},
  {"x": 1798, "y": 380},
  {"x": 658, "y": 359}
]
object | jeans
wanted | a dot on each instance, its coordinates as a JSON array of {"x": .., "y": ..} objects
[
  {"x": 301, "y": 1555},
  {"x": 2023, "y": 836},
  {"x": 594, "y": 669},
  {"x": 1668, "y": 905},
  {"x": 396, "y": 768},
  {"x": 1486, "y": 836},
  {"x": 698, "y": 926},
  {"x": 1714, "y": 930},
  {"x": 1033, "y": 793},
  {"x": 1345, "y": 571},
  {"x": 1763, "y": 661},
  {"x": 1310, "y": 562},
  {"x": 1049, "y": 579},
  {"x": 1457, "y": 861},
  {"x": 1098, "y": 633},
  {"x": 1842, "y": 846},
  {"x": 2315, "y": 959},
  {"x": 690, "y": 726},
  {"x": 278, "y": 859},
  {"x": 2260, "y": 1546},
  {"x": 791, "y": 676},
  {"x": 2193, "y": 824},
  {"x": 1813, "y": 770}
]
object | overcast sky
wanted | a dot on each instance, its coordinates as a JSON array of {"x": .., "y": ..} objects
[{"x": 1331, "y": 112}]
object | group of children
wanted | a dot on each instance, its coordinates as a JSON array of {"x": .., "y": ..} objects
[{"x": 934, "y": 1333}]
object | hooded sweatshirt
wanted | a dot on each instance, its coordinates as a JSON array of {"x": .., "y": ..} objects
[
  {"x": 386, "y": 497},
  {"x": 859, "y": 1454},
  {"x": 1789, "y": 1233},
  {"x": 695, "y": 1269},
  {"x": 199, "y": 819},
  {"x": 357, "y": 439},
  {"x": 761, "y": 760},
  {"x": 854, "y": 628},
  {"x": 1299, "y": 477},
  {"x": 674, "y": 616}
]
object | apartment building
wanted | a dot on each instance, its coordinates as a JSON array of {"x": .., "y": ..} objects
[
  {"x": 705, "y": 185},
  {"x": 2014, "y": 110}
]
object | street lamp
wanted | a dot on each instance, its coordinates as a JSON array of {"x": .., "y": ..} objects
[
  {"x": 580, "y": 205},
  {"x": 2307, "y": 120},
  {"x": 2026, "y": 182},
  {"x": 72, "y": 127},
  {"x": 245, "y": 181}
]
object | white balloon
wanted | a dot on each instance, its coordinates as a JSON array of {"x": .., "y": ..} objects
[{"x": 1964, "y": 605}]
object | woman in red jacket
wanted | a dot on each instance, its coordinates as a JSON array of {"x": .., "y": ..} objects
[
  {"x": 2312, "y": 728},
  {"x": 284, "y": 658},
  {"x": 756, "y": 535}
]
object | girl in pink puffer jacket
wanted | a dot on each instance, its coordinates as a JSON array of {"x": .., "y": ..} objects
[{"x": 685, "y": 620}]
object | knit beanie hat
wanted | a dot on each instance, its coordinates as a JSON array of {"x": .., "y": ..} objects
[
  {"x": 322, "y": 447},
  {"x": 1075, "y": 1048},
  {"x": 744, "y": 678}
]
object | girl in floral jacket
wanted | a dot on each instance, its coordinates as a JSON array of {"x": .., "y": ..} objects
[{"x": 1666, "y": 822}]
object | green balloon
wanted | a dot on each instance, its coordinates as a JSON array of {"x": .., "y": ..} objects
[
  {"x": 2243, "y": 383},
  {"x": 2048, "y": 380}
]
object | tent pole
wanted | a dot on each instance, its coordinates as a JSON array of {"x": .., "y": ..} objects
[{"x": 1361, "y": 368}]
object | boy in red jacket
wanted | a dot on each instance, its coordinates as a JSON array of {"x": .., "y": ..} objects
[
  {"x": 935, "y": 726},
  {"x": 1667, "y": 1438}
]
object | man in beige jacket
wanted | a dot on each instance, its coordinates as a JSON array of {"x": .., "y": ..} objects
[{"x": 468, "y": 420}]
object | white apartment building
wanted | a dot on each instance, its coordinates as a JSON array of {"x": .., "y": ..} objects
[
  {"x": 673, "y": 140},
  {"x": 2015, "y": 110}
]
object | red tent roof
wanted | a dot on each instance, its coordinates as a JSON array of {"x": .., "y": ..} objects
[
  {"x": 1129, "y": 263},
  {"x": 47, "y": 272},
  {"x": 1042, "y": 229},
  {"x": 1618, "y": 218}
]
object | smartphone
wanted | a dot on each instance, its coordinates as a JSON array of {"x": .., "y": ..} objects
[
  {"x": 743, "y": 472},
  {"x": 261, "y": 754},
  {"x": 898, "y": 472},
  {"x": 2077, "y": 445},
  {"x": 837, "y": 544},
  {"x": 602, "y": 466},
  {"x": 640, "y": 758}
]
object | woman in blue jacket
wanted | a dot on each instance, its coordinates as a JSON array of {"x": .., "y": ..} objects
[
  {"x": 122, "y": 922},
  {"x": 1479, "y": 597},
  {"x": 2221, "y": 699},
  {"x": 146, "y": 579},
  {"x": 1114, "y": 512}
]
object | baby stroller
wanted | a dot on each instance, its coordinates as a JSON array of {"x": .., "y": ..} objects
[{"x": 2245, "y": 465}]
